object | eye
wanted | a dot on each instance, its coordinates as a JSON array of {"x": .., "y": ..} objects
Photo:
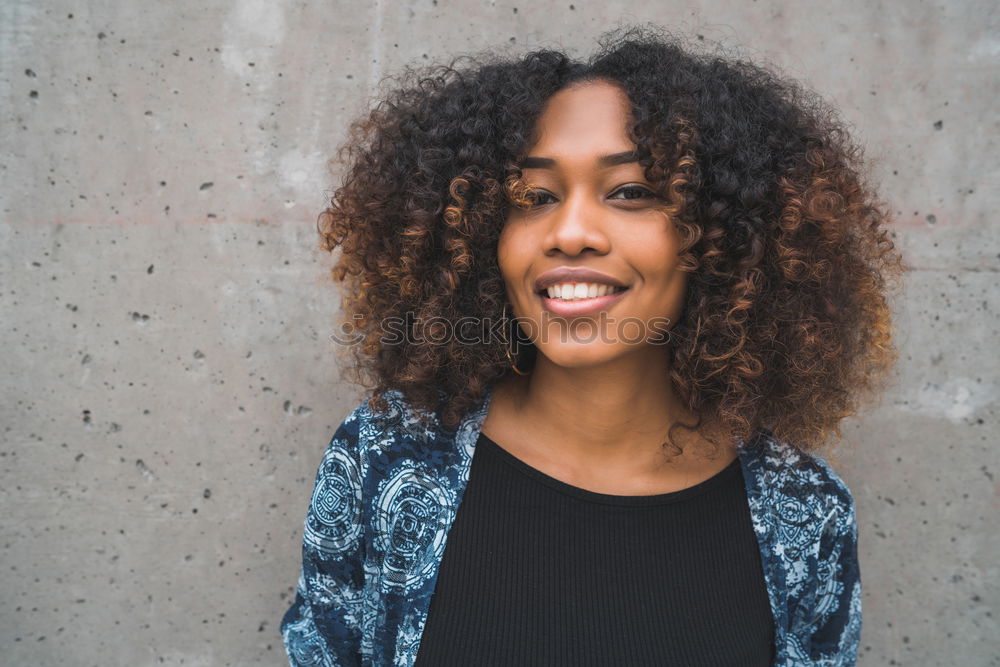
[
  {"x": 631, "y": 192},
  {"x": 541, "y": 197}
]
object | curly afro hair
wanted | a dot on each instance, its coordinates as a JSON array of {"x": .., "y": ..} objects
[{"x": 786, "y": 324}]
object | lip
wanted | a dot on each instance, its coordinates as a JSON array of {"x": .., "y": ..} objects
[
  {"x": 581, "y": 307},
  {"x": 575, "y": 274}
]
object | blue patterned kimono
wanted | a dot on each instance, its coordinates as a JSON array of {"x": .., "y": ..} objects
[{"x": 389, "y": 487}]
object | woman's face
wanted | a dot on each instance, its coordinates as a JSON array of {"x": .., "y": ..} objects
[{"x": 594, "y": 210}]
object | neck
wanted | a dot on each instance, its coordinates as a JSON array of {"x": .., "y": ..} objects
[{"x": 610, "y": 416}]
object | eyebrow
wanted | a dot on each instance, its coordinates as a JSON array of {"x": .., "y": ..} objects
[{"x": 612, "y": 160}]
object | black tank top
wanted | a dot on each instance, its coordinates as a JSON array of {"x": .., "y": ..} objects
[{"x": 539, "y": 572}]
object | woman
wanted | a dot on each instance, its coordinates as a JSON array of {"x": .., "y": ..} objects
[{"x": 693, "y": 273}]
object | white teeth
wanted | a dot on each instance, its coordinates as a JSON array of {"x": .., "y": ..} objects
[{"x": 573, "y": 291}]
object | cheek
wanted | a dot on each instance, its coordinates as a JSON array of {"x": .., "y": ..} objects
[
  {"x": 657, "y": 262},
  {"x": 513, "y": 252}
]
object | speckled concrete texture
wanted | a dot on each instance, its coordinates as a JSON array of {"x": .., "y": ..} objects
[{"x": 168, "y": 383}]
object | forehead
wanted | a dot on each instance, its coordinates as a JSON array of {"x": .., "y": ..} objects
[{"x": 585, "y": 118}]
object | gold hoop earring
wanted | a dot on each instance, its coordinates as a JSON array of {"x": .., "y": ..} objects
[{"x": 513, "y": 364}]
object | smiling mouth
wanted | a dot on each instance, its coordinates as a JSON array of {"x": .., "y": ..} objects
[
  {"x": 569, "y": 296},
  {"x": 582, "y": 306}
]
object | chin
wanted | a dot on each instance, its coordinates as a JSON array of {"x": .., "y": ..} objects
[{"x": 579, "y": 356}]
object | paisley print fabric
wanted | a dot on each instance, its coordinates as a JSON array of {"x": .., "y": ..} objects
[
  {"x": 388, "y": 489},
  {"x": 412, "y": 515},
  {"x": 334, "y": 525}
]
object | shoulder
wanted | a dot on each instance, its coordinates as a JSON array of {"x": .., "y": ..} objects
[
  {"x": 386, "y": 434},
  {"x": 381, "y": 421},
  {"x": 799, "y": 486}
]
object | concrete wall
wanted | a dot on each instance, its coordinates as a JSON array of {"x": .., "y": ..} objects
[{"x": 167, "y": 382}]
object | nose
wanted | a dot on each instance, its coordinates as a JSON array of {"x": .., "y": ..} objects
[{"x": 576, "y": 226}]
